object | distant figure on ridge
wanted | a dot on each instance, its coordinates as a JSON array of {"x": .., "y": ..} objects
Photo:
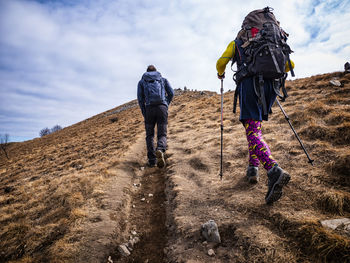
[
  {"x": 262, "y": 58},
  {"x": 154, "y": 95},
  {"x": 347, "y": 67}
]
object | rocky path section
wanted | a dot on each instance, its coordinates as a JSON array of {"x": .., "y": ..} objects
[
  {"x": 144, "y": 235},
  {"x": 147, "y": 220}
]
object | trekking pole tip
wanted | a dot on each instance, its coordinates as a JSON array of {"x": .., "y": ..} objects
[
  {"x": 311, "y": 162},
  {"x": 220, "y": 174}
]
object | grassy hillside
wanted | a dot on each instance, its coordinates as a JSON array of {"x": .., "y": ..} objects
[{"x": 75, "y": 195}]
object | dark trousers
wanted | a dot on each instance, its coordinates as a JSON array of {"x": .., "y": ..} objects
[{"x": 156, "y": 114}]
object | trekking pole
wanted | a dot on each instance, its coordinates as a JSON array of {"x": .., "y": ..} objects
[
  {"x": 222, "y": 125},
  {"x": 295, "y": 133}
]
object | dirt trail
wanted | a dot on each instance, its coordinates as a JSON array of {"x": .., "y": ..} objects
[
  {"x": 147, "y": 219},
  {"x": 147, "y": 210}
]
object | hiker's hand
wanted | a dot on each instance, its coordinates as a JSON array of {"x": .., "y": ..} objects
[{"x": 221, "y": 76}]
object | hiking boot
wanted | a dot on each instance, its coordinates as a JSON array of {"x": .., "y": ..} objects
[
  {"x": 160, "y": 159},
  {"x": 252, "y": 174},
  {"x": 277, "y": 178}
]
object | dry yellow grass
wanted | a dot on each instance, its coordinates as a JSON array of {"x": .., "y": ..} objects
[{"x": 48, "y": 184}]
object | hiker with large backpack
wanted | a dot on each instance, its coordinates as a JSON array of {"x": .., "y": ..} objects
[
  {"x": 262, "y": 56},
  {"x": 154, "y": 95}
]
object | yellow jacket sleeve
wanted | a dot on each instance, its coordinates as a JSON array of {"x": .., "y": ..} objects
[
  {"x": 229, "y": 54},
  {"x": 225, "y": 58}
]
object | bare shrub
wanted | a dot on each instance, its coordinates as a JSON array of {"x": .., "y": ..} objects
[
  {"x": 4, "y": 141},
  {"x": 47, "y": 131},
  {"x": 44, "y": 132}
]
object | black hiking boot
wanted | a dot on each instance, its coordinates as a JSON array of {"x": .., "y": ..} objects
[
  {"x": 160, "y": 159},
  {"x": 252, "y": 174},
  {"x": 277, "y": 179}
]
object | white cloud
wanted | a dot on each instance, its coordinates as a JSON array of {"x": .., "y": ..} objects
[{"x": 62, "y": 63}]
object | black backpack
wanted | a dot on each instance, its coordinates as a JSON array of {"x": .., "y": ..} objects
[{"x": 262, "y": 50}]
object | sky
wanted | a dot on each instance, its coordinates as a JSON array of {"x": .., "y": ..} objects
[{"x": 64, "y": 61}]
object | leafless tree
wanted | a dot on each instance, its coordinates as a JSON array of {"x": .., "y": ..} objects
[
  {"x": 44, "y": 132},
  {"x": 4, "y": 142},
  {"x": 47, "y": 131}
]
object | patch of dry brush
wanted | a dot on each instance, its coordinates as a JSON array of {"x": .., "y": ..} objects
[{"x": 49, "y": 185}]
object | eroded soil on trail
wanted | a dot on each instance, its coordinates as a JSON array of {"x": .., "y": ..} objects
[
  {"x": 148, "y": 218},
  {"x": 78, "y": 194}
]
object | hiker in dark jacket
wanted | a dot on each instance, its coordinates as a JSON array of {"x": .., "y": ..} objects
[
  {"x": 154, "y": 95},
  {"x": 251, "y": 116}
]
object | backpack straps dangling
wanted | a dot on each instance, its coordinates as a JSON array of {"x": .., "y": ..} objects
[
  {"x": 280, "y": 84},
  {"x": 283, "y": 86},
  {"x": 237, "y": 91},
  {"x": 260, "y": 92}
]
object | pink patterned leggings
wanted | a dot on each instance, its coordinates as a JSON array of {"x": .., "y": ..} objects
[{"x": 258, "y": 149}]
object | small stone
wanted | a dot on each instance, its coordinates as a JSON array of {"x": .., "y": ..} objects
[
  {"x": 205, "y": 243},
  {"x": 211, "y": 252},
  {"x": 210, "y": 232},
  {"x": 110, "y": 260},
  {"x": 334, "y": 223},
  {"x": 133, "y": 206},
  {"x": 335, "y": 82},
  {"x": 123, "y": 250},
  {"x": 131, "y": 243},
  {"x": 150, "y": 195},
  {"x": 143, "y": 199},
  {"x": 136, "y": 240},
  {"x": 142, "y": 168},
  {"x": 129, "y": 247},
  {"x": 133, "y": 233}
]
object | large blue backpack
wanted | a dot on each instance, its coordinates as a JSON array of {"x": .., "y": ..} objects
[{"x": 154, "y": 92}]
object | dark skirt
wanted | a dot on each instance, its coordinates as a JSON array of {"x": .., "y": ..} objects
[{"x": 249, "y": 101}]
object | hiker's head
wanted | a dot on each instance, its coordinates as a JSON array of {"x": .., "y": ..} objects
[{"x": 151, "y": 68}]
